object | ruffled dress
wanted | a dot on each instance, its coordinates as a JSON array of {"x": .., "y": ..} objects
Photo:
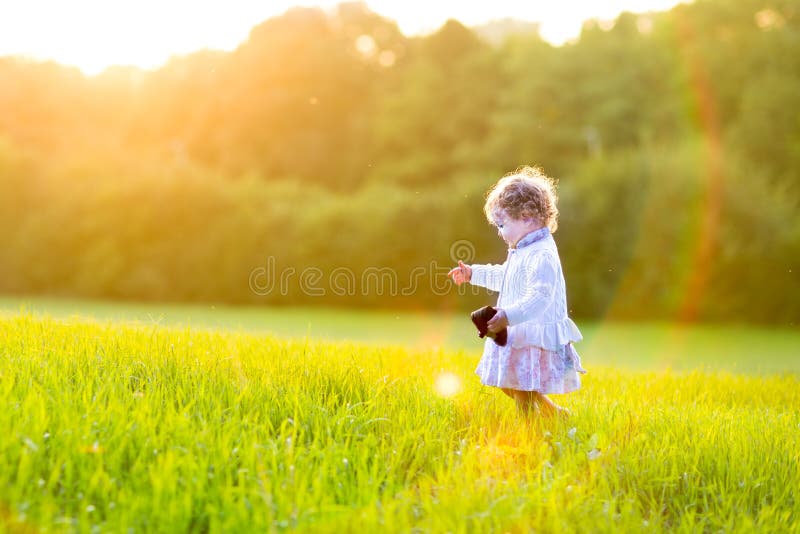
[{"x": 539, "y": 355}]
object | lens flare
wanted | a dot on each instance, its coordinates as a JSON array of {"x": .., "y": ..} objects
[{"x": 447, "y": 384}]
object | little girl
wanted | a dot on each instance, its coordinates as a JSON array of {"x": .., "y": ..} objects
[{"x": 538, "y": 357}]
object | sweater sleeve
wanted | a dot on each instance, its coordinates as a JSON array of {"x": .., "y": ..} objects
[
  {"x": 537, "y": 289},
  {"x": 489, "y": 276}
]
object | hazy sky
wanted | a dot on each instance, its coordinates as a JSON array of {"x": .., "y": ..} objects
[{"x": 93, "y": 34}]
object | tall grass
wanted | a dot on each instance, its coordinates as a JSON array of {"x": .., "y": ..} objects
[
  {"x": 110, "y": 427},
  {"x": 632, "y": 345}
]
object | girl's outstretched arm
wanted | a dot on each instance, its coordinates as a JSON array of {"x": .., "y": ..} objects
[
  {"x": 460, "y": 274},
  {"x": 489, "y": 276}
]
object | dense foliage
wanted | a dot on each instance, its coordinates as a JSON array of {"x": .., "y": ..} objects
[{"x": 334, "y": 154}]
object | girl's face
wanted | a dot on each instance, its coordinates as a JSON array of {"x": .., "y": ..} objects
[{"x": 512, "y": 230}]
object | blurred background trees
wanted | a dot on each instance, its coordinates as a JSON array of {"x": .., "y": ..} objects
[{"x": 329, "y": 140}]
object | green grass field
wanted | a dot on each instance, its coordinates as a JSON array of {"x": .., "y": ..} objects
[
  {"x": 314, "y": 422},
  {"x": 633, "y": 346}
]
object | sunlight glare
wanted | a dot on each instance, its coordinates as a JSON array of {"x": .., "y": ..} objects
[
  {"x": 447, "y": 384},
  {"x": 365, "y": 44},
  {"x": 95, "y": 34}
]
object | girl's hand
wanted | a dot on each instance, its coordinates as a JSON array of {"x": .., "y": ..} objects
[
  {"x": 460, "y": 274},
  {"x": 498, "y": 322}
]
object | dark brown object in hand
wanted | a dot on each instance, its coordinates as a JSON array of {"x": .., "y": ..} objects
[{"x": 481, "y": 317}]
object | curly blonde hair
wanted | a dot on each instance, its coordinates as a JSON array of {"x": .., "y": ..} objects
[{"x": 526, "y": 192}]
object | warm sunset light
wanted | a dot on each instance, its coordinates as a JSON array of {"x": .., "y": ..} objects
[
  {"x": 93, "y": 34},
  {"x": 252, "y": 253},
  {"x": 447, "y": 384}
]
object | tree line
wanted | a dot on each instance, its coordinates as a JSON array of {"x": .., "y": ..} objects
[{"x": 333, "y": 151}]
